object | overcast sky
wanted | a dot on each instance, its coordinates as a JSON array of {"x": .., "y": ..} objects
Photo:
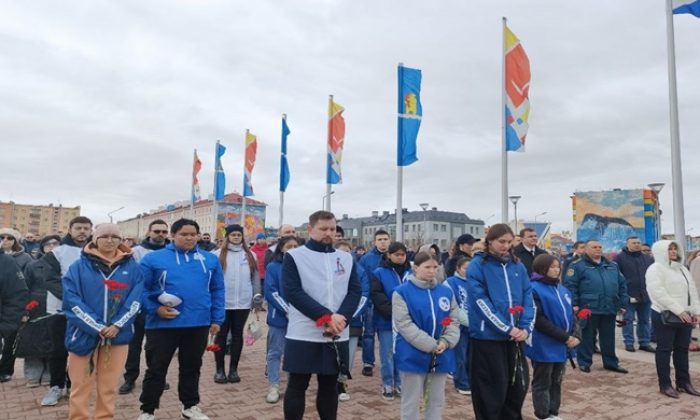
[{"x": 103, "y": 102}]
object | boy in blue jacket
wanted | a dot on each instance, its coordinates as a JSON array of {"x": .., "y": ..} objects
[{"x": 184, "y": 304}]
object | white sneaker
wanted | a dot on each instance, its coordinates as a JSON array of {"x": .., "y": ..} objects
[
  {"x": 193, "y": 413},
  {"x": 146, "y": 416},
  {"x": 464, "y": 391},
  {"x": 52, "y": 397},
  {"x": 553, "y": 417},
  {"x": 273, "y": 395},
  {"x": 343, "y": 396}
]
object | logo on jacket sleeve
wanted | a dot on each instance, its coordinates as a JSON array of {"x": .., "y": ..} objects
[{"x": 444, "y": 303}]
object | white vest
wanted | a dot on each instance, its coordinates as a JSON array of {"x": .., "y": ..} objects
[
  {"x": 65, "y": 255},
  {"x": 238, "y": 282},
  {"x": 324, "y": 277}
]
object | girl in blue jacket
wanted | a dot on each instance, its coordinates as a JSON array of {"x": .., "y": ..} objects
[
  {"x": 458, "y": 284},
  {"x": 552, "y": 337},
  {"x": 101, "y": 294},
  {"x": 276, "y": 315},
  {"x": 424, "y": 314},
  {"x": 501, "y": 317}
]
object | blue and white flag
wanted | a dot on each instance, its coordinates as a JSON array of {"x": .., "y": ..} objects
[
  {"x": 686, "y": 6},
  {"x": 410, "y": 115},
  {"x": 220, "y": 180},
  {"x": 284, "y": 166}
]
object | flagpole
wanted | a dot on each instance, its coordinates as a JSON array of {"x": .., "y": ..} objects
[
  {"x": 194, "y": 161},
  {"x": 504, "y": 152},
  {"x": 399, "y": 168},
  {"x": 284, "y": 119},
  {"x": 328, "y": 166},
  {"x": 677, "y": 175},
  {"x": 215, "y": 206},
  {"x": 245, "y": 144}
]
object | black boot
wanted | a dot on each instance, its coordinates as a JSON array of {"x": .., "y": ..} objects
[
  {"x": 220, "y": 375},
  {"x": 233, "y": 374}
]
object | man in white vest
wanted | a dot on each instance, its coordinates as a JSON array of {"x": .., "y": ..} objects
[
  {"x": 323, "y": 290},
  {"x": 59, "y": 259}
]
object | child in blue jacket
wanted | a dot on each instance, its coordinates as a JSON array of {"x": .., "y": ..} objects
[
  {"x": 276, "y": 315},
  {"x": 552, "y": 337},
  {"x": 458, "y": 284}
]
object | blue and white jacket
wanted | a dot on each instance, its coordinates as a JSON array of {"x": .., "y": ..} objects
[
  {"x": 493, "y": 286},
  {"x": 194, "y": 276},
  {"x": 459, "y": 288},
  {"x": 385, "y": 280},
  {"x": 554, "y": 323},
  {"x": 88, "y": 304},
  {"x": 279, "y": 309},
  {"x": 365, "y": 302},
  {"x": 418, "y": 309}
]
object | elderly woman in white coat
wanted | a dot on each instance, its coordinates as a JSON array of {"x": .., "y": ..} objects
[{"x": 675, "y": 311}]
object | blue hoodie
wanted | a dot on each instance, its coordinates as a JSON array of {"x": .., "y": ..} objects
[
  {"x": 277, "y": 315},
  {"x": 493, "y": 286},
  {"x": 194, "y": 276},
  {"x": 88, "y": 305}
]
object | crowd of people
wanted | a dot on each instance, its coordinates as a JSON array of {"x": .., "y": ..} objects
[{"x": 77, "y": 310}]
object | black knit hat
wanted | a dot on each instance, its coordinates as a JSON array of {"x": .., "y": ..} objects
[
  {"x": 466, "y": 239},
  {"x": 234, "y": 228}
]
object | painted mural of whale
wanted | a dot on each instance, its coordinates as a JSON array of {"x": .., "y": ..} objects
[{"x": 611, "y": 231}]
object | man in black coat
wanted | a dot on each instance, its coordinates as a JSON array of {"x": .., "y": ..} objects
[
  {"x": 13, "y": 297},
  {"x": 633, "y": 265},
  {"x": 528, "y": 249},
  {"x": 463, "y": 249}
]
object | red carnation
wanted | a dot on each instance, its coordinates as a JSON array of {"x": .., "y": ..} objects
[
  {"x": 117, "y": 297},
  {"x": 584, "y": 313},
  {"x": 115, "y": 285},
  {"x": 31, "y": 305},
  {"x": 213, "y": 348},
  {"x": 516, "y": 309},
  {"x": 446, "y": 321},
  {"x": 324, "y": 320}
]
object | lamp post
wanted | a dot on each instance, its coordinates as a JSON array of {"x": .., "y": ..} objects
[
  {"x": 538, "y": 215},
  {"x": 424, "y": 206},
  {"x": 323, "y": 201},
  {"x": 112, "y": 212},
  {"x": 514, "y": 199},
  {"x": 657, "y": 187}
]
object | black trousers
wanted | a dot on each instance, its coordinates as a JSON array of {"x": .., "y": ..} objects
[
  {"x": 495, "y": 396},
  {"x": 133, "y": 360},
  {"x": 671, "y": 339},
  {"x": 7, "y": 360},
  {"x": 190, "y": 344},
  {"x": 295, "y": 396},
  {"x": 58, "y": 361},
  {"x": 235, "y": 322},
  {"x": 546, "y": 388},
  {"x": 604, "y": 326}
]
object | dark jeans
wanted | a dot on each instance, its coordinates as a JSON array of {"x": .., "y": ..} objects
[
  {"x": 491, "y": 366},
  {"x": 162, "y": 343},
  {"x": 670, "y": 339},
  {"x": 643, "y": 312},
  {"x": 368, "y": 337},
  {"x": 461, "y": 375},
  {"x": 295, "y": 396},
  {"x": 604, "y": 326},
  {"x": 235, "y": 321},
  {"x": 7, "y": 360},
  {"x": 58, "y": 361},
  {"x": 546, "y": 388},
  {"x": 133, "y": 360}
]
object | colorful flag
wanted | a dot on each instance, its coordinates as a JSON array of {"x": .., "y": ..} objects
[
  {"x": 410, "y": 115},
  {"x": 196, "y": 167},
  {"x": 517, "y": 88},
  {"x": 336, "y": 138},
  {"x": 284, "y": 166},
  {"x": 251, "y": 149},
  {"x": 220, "y": 180},
  {"x": 686, "y": 6}
]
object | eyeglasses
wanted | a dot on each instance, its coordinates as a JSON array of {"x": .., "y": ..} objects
[
  {"x": 160, "y": 232},
  {"x": 9, "y": 238},
  {"x": 111, "y": 238}
]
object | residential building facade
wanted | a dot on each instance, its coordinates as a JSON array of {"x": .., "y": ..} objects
[{"x": 38, "y": 219}]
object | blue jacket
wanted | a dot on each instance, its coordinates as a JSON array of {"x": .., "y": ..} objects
[
  {"x": 554, "y": 323},
  {"x": 459, "y": 288},
  {"x": 356, "y": 321},
  {"x": 194, "y": 276},
  {"x": 493, "y": 286},
  {"x": 89, "y": 305},
  {"x": 598, "y": 287},
  {"x": 427, "y": 308},
  {"x": 277, "y": 313},
  {"x": 384, "y": 281},
  {"x": 370, "y": 261}
]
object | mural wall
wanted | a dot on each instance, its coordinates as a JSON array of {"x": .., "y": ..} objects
[{"x": 230, "y": 213}]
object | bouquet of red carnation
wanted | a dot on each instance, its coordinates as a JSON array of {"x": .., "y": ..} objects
[
  {"x": 515, "y": 312},
  {"x": 446, "y": 321},
  {"x": 324, "y": 322},
  {"x": 211, "y": 344}
]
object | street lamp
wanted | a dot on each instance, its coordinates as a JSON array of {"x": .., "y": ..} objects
[
  {"x": 112, "y": 212},
  {"x": 514, "y": 199},
  {"x": 424, "y": 206},
  {"x": 657, "y": 187},
  {"x": 323, "y": 201},
  {"x": 541, "y": 214}
]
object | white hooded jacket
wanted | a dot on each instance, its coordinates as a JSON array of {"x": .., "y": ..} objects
[{"x": 669, "y": 283}]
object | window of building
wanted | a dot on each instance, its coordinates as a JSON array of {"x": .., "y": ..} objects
[
  {"x": 471, "y": 229},
  {"x": 443, "y": 228},
  {"x": 419, "y": 227},
  {"x": 413, "y": 228},
  {"x": 405, "y": 228},
  {"x": 435, "y": 227}
]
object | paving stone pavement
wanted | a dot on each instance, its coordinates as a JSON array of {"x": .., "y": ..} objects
[{"x": 597, "y": 395}]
